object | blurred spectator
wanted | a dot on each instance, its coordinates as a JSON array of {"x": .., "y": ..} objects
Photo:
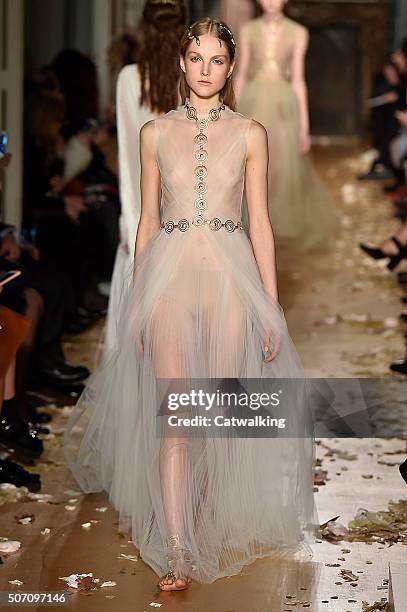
[
  {"x": 74, "y": 216},
  {"x": 77, "y": 76},
  {"x": 388, "y": 99}
]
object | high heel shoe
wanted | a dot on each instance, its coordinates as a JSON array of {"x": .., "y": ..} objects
[
  {"x": 399, "y": 366},
  {"x": 179, "y": 566},
  {"x": 403, "y": 470},
  {"x": 377, "y": 253}
]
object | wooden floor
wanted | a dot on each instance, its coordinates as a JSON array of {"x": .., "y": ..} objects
[{"x": 342, "y": 314}]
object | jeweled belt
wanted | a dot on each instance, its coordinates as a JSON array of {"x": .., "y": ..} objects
[{"x": 214, "y": 224}]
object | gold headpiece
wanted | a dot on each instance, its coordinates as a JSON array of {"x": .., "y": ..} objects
[{"x": 221, "y": 27}]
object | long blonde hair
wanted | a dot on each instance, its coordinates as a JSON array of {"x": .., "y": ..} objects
[{"x": 220, "y": 30}]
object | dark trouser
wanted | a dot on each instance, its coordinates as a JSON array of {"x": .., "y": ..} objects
[{"x": 84, "y": 251}]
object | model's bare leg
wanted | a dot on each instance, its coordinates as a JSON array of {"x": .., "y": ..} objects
[{"x": 170, "y": 324}]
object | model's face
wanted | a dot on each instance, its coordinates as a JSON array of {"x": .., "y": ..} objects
[
  {"x": 271, "y": 7},
  {"x": 400, "y": 60},
  {"x": 206, "y": 66},
  {"x": 391, "y": 74}
]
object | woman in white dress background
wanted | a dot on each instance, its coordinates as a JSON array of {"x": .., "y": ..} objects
[{"x": 144, "y": 90}]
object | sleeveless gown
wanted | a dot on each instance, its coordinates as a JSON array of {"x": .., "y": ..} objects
[
  {"x": 130, "y": 119},
  {"x": 301, "y": 210},
  {"x": 198, "y": 303}
]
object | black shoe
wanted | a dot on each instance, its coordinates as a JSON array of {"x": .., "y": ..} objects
[
  {"x": 61, "y": 375},
  {"x": 403, "y": 470},
  {"x": 20, "y": 437},
  {"x": 93, "y": 315},
  {"x": 14, "y": 474},
  {"x": 376, "y": 173},
  {"x": 401, "y": 209},
  {"x": 79, "y": 325},
  {"x": 377, "y": 253},
  {"x": 402, "y": 278},
  {"x": 399, "y": 366},
  {"x": 403, "y": 317},
  {"x": 394, "y": 186},
  {"x": 36, "y": 427},
  {"x": 39, "y": 418},
  {"x": 404, "y": 299}
]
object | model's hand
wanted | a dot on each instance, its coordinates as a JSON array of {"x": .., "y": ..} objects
[
  {"x": 74, "y": 205},
  {"x": 56, "y": 183},
  {"x": 4, "y": 162},
  {"x": 9, "y": 248},
  {"x": 402, "y": 117},
  {"x": 305, "y": 141},
  {"x": 271, "y": 345}
]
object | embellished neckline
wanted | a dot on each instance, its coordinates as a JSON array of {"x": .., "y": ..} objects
[{"x": 213, "y": 114}]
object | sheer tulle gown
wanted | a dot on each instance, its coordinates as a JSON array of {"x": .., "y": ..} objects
[
  {"x": 301, "y": 210},
  {"x": 130, "y": 118},
  {"x": 199, "y": 305}
]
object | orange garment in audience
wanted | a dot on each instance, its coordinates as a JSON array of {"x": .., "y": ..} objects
[{"x": 13, "y": 330}]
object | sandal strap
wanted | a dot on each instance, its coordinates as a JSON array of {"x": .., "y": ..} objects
[{"x": 398, "y": 244}]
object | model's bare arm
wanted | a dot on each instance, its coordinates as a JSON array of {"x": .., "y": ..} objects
[
  {"x": 260, "y": 230},
  {"x": 150, "y": 188},
  {"x": 300, "y": 87}
]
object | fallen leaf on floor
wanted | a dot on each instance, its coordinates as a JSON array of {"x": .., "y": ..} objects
[
  {"x": 72, "y": 493},
  {"x": 39, "y": 497},
  {"x": 385, "y": 526},
  {"x": 332, "y": 530},
  {"x": 16, "y": 582},
  {"x": 154, "y": 604},
  {"x": 375, "y": 607},
  {"x": 46, "y": 531},
  {"x": 9, "y": 546},
  {"x": 128, "y": 557},
  {"x": 86, "y": 525},
  {"x": 108, "y": 583},
  {"x": 320, "y": 477},
  {"x": 101, "y": 509},
  {"x": 70, "y": 508},
  {"x": 348, "y": 575},
  {"x": 10, "y": 493},
  {"x": 83, "y": 582},
  {"x": 25, "y": 519}
]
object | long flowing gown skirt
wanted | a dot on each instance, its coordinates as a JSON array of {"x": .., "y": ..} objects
[{"x": 198, "y": 304}]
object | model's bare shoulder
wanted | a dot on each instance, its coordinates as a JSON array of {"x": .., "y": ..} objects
[
  {"x": 147, "y": 132},
  {"x": 298, "y": 30},
  {"x": 148, "y": 136},
  {"x": 257, "y": 130}
]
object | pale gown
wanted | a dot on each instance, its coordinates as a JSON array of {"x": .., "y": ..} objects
[
  {"x": 199, "y": 303},
  {"x": 301, "y": 210},
  {"x": 130, "y": 117}
]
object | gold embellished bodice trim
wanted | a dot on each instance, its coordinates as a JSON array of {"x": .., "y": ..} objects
[{"x": 214, "y": 224}]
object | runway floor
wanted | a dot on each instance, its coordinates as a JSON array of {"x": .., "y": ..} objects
[{"x": 342, "y": 312}]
